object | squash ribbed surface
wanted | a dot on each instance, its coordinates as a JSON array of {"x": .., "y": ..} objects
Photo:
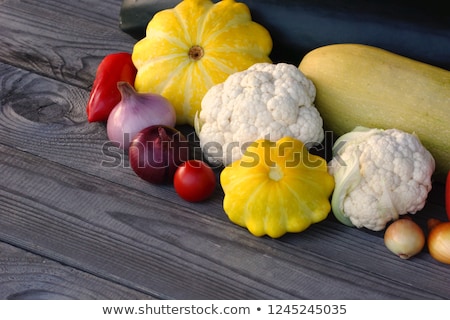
[
  {"x": 197, "y": 44},
  {"x": 277, "y": 188}
]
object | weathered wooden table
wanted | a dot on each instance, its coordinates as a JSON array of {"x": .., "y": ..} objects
[{"x": 73, "y": 227}]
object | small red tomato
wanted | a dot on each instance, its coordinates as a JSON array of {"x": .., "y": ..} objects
[
  {"x": 447, "y": 195},
  {"x": 194, "y": 181}
]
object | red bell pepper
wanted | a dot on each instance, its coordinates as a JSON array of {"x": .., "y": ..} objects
[
  {"x": 447, "y": 195},
  {"x": 104, "y": 95}
]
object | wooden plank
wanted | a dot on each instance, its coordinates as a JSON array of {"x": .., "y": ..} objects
[
  {"x": 59, "y": 201},
  {"x": 64, "y": 195},
  {"x": 171, "y": 251},
  {"x": 47, "y": 118},
  {"x": 26, "y": 276},
  {"x": 61, "y": 39}
]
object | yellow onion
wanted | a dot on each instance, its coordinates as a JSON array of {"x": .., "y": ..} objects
[
  {"x": 404, "y": 238},
  {"x": 439, "y": 241}
]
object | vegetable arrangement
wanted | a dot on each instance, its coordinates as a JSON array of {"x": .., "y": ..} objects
[
  {"x": 260, "y": 120},
  {"x": 265, "y": 101},
  {"x": 194, "y": 46},
  {"x": 359, "y": 85}
]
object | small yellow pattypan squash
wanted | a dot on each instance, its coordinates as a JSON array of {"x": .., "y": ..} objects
[
  {"x": 277, "y": 187},
  {"x": 195, "y": 45}
]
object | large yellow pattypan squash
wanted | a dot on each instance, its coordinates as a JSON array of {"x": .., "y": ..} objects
[
  {"x": 277, "y": 187},
  {"x": 197, "y": 44}
]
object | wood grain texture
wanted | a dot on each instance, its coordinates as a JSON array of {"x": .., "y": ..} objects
[
  {"x": 170, "y": 251},
  {"x": 47, "y": 118},
  {"x": 70, "y": 199},
  {"x": 61, "y": 39},
  {"x": 25, "y": 276}
]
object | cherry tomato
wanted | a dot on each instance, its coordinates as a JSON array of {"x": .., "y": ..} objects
[
  {"x": 447, "y": 195},
  {"x": 104, "y": 94},
  {"x": 194, "y": 181}
]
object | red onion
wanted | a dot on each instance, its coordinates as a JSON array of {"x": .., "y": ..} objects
[
  {"x": 135, "y": 112},
  {"x": 156, "y": 152}
]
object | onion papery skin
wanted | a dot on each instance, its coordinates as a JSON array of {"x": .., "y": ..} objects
[
  {"x": 404, "y": 238},
  {"x": 135, "y": 112},
  {"x": 439, "y": 242},
  {"x": 156, "y": 152}
]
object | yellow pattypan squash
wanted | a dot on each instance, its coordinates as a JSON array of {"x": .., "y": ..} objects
[
  {"x": 277, "y": 187},
  {"x": 195, "y": 45}
]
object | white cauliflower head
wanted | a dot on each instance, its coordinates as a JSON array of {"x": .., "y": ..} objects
[
  {"x": 379, "y": 175},
  {"x": 268, "y": 101}
]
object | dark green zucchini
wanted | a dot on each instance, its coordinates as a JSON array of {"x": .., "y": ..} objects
[{"x": 419, "y": 30}]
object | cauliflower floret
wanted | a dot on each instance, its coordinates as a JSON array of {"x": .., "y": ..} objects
[
  {"x": 379, "y": 175},
  {"x": 268, "y": 101}
]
